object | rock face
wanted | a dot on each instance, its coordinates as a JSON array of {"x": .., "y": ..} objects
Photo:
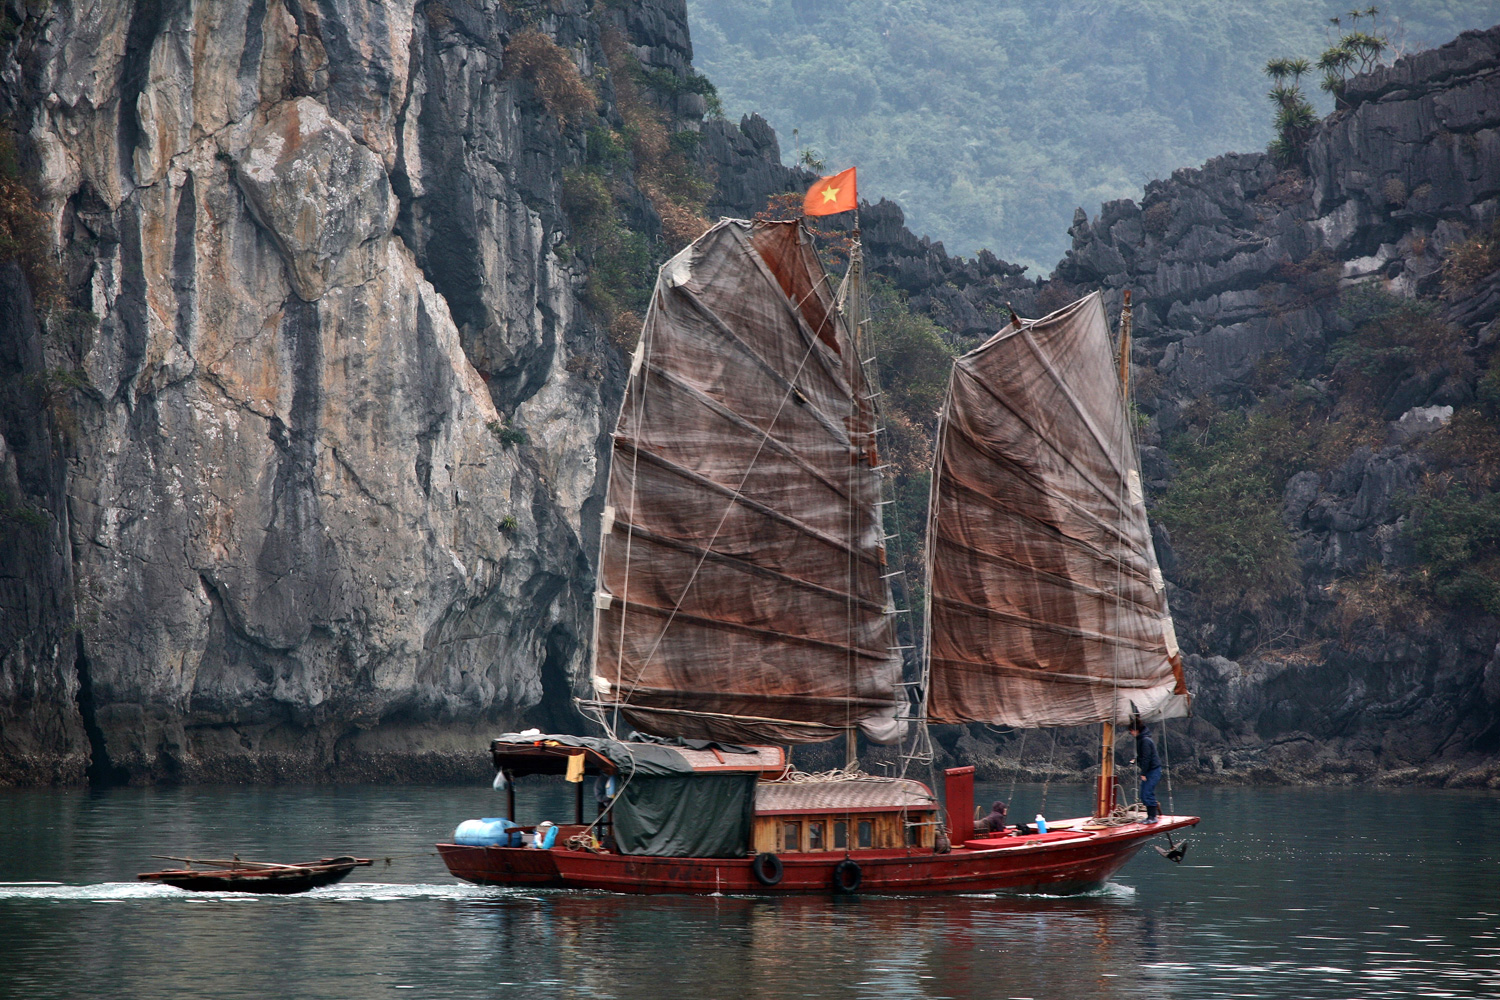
[
  {"x": 318, "y": 495},
  {"x": 42, "y": 717},
  {"x": 1236, "y": 266},
  {"x": 313, "y": 492},
  {"x": 319, "y": 509}
]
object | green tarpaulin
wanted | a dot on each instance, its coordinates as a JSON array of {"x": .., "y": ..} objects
[
  {"x": 663, "y": 807},
  {"x": 686, "y": 816}
]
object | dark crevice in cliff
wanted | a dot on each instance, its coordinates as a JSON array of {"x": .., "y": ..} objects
[
  {"x": 185, "y": 264},
  {"x": 435, "y": 377},
  {"x": 556, "y": 713},
  {"x": 146, "y": 22},
  {"x": 255, "y": 39},
  {"x": 102, "y": 772},
  {"x": 131, "y": 306}
]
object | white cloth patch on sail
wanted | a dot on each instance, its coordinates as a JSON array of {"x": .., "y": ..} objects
[
  {"x": 1046, "y": 608},
  {"x": 741, "y": 588}
]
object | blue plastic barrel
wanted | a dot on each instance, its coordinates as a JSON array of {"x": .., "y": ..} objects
[{"x": 490, "y": 832}]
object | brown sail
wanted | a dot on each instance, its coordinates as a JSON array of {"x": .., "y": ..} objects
[
  {"x": 1047, "y": 607},
  {"x": 741, "y": 591}
]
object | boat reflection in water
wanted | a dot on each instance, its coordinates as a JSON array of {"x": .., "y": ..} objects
[{"x": 959, "y": 946}]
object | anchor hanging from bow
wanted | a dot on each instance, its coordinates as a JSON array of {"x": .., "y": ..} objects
[{"x": 1177, "y": 851}]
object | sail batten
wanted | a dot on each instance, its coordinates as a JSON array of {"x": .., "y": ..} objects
[
  {"x": 778, "y": 379},
  {"x": 741, "y": 586},
  {"x": 1050, "y": 675},
  {"x": 686, "y": 621},
  {"x": 687, "y": 548},
  {"x": 979, "y": 493},
  {"x": 771, "y": 441},
  {"x": 1045, "y": 607},
  {"x": 738, "y": 497},
  {"x": 1043, "y": 625},
  {"x": 1053, "y": 579},
  {"x": 1070, "y": 458}
]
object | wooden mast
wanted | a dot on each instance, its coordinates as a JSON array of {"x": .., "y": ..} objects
[{"x": 1104, "y": 792}]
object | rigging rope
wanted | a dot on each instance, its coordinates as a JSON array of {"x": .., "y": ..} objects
[
  {"x": 1047, "y": 781},
  {"x": 1016, "y": 774},
  {"x": 852, "y": 773},
  {"x": 1166, "y": 760},
  {"x": 612, "y": 727},
  {"x": 851, "y": 738},
  {"x": 853, "y": 304}
]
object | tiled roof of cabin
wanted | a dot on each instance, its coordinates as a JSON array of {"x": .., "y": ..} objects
[
  {"x": 763, "y": 758},
  {"x": 854, "y": 795}
]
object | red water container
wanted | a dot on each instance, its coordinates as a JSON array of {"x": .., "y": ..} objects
[{"x": 958, "y": 799}]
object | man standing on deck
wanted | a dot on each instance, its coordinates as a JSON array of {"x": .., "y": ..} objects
[{"x": 1149, "y": 763}]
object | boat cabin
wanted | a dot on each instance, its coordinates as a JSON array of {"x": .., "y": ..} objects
[
  {"x": 723, "y": 800},
  {"x": 850, "y": 815}
]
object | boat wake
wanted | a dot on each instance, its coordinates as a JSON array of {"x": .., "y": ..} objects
[{"x": 1109, "y": 890}]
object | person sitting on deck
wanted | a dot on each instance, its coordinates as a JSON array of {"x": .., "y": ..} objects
[
  {"x": 995, "y": 821},
  {"x": 1149, "y": 763}
]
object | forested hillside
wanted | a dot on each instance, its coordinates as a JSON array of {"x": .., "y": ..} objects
[{"x": 990, "y": 121}]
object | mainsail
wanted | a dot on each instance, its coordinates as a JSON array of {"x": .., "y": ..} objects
[
  {"x": 742, "y": 585},
  {"x": 1046, "y": 604}
]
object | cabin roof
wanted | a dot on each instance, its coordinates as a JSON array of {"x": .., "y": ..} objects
[
  {"x": 870, "y": 794},
  {"x": 543, "y": 753},
  {"x": 767, "y": 760}
]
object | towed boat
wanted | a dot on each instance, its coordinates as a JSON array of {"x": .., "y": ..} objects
[
  {"x": 743, "y": 599},
  {"x": 255, "y": 876}
]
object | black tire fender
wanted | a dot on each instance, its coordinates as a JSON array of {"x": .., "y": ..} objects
[
  {"x": 847, "y": 876},
  {"x": 768, "y": 869}
]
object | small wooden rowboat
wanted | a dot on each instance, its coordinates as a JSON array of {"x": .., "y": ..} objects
[{"x": 254, "y": 876}]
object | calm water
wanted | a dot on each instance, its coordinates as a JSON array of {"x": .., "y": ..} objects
[{"x": 1285, "y": 893}]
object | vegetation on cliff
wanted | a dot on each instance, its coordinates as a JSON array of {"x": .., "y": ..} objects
[
  {"x": 1225, "y": 507},
  {"x": 991, "y": 121},
  {"x": 1354, "y": 51},
  {"x": 633, "y": 146},
  {"x": 24, "y": 240}
]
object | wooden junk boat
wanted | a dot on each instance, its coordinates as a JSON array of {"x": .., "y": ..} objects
[
  {"x": 743, "y": 599},
  {"x": 255, "y": 876}
]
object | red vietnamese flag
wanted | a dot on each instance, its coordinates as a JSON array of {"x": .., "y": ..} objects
[{"x": 832, "y": 195}]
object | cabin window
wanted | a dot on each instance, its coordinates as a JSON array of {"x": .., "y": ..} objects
[
  {"x": 791, "y": 836},
  {"x": 815, "y": 837},
  {"x": 840, "y": 835},
  {"x": 866, "y": 833},
  {"x": 913, "y": 831}
]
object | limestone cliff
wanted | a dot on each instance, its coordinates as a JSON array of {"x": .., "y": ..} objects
[
  {"x": 299, "y": 465},
  {"x": 316, "y": 493},
  {"x": 301, "y": 474},
  {"x": 1250, "y": 280}
]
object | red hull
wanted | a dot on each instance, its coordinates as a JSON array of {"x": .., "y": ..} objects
[{"x": 1054, "y": 866}]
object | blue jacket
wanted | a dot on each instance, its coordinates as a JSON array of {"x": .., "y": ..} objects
[{"x": 1146, "y": 757}]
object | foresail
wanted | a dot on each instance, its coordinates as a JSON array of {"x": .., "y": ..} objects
[
  {"x": 1047, "y": 607},
  {"x": 742, "y": 592}
]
